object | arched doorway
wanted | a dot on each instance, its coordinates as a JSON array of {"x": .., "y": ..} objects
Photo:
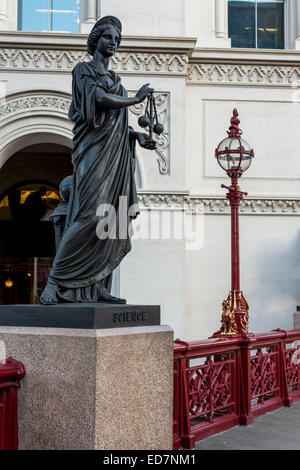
[{"x": 29, "y": 181}]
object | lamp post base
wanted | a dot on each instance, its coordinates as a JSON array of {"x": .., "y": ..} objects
[{"x": 235, "y": 316}]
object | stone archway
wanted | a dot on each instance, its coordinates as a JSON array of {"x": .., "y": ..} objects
[{"x": 32, "y": 118}]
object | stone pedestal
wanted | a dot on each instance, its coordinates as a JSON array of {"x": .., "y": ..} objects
[
  {"x": 94, "y": 389},
  {"x": 297, "y": 319}
]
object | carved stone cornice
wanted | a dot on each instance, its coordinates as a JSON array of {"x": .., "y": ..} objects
[
  {"x": 239, "y": 74},
  {"x": 65, "y": 61},
  {"x": 214, "y": 205},
  {"x": 60, "y": 53},
  {"x": 53, "y": 52}
]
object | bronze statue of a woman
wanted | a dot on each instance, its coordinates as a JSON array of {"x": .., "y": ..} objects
[{"x": 104, "y": 165}]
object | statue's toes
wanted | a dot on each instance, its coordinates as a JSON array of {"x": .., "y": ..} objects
[
  {"x": 49, "y": 297},
  {"x": 47, "y": 300}
]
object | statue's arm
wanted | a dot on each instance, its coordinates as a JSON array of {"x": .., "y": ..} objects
[{"x": 109, "y": 101}]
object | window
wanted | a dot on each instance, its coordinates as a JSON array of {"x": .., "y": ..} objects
[
  {"x": 49, "y": 15},
  {"x": 256, "y": 23}
]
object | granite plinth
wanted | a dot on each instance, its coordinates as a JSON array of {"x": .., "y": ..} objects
[
  {"x": 83, "y": 316},
  {"x": 89, "y": 389}
]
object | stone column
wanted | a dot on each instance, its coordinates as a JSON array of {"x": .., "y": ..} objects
[
  {"x": 98, "y": 9},
  {"x": 88, "y": 15},
  {"x": 3, "y": 14},
  {"x": 220, "y": 18},
  {"x": 91, "y": 11}
]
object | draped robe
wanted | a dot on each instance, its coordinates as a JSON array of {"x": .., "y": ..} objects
[{"x": 104, "y": 164}]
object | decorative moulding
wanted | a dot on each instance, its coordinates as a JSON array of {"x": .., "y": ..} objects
[
  {"x": 57, "y": 52},
  {"x": 238, "y": 74},
  {"x": 35, "y": 101},
  {"x": 215, "y": 205},
  {"x": 65, "y": 61}
]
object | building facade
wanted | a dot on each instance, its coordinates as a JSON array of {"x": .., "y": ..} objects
[{"x": 203, "y": 58}]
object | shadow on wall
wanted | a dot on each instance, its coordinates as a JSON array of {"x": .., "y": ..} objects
[{"x": 275, "y": 291}]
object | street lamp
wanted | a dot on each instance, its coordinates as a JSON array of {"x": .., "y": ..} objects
[{"x": 234, "y": 155}]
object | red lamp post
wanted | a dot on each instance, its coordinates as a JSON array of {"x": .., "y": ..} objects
[{"x": 234, "y": 155}]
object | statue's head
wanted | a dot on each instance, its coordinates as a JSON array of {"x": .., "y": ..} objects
[{"x": 99, "y": 28}]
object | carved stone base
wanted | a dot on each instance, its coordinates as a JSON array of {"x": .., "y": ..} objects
[{"x": 92, "y": 316}]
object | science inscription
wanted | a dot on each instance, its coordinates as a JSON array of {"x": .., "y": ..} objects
[{"x": 131, "y": 316}]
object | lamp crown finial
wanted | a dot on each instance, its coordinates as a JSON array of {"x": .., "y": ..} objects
[{"x": 234, "y": 130}]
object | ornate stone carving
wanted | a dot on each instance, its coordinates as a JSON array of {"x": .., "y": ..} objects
[
  {"x": 128, "y": 62},
  {"x": 29, "y": 59},
  {"x": 218, "y": 205},
  {"x": 163, "y": 143},
  {"x": 164, "y": 201},
  {"x": 243, "y": 74},
  {"x": 63, "y": 60},
  {"x": 36, "y": 101}
]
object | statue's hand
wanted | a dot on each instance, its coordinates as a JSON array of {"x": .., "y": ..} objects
[
  {"x": 143, "y": 93},
  {"x": 145, "y": 142}
]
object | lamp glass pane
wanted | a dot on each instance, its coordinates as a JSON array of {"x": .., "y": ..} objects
[{"x": 234, "y": 161}]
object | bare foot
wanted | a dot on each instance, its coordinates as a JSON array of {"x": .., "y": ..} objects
[
  {"x": 105, "y": 296},
  {"x": 49, "y": 296}
]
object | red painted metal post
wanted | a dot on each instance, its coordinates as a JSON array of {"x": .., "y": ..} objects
[
  {"x": 187, "y": 438},
  {"x": 177, "y": 407},
  {"x": 235, "y": 196},
  {"x": 246, "y": 416},
  {"x": 11, "y": 374},
  {"x": 234, "y": 156},
  {"x": 287, "y": 400},
  {"x": 235, "y": 255}
]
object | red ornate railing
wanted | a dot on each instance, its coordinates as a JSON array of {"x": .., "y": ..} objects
[
  {"x": 11, "y": 374},
  {"x": 219, "y": 383}
]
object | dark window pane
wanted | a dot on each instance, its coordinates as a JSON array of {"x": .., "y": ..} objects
[
  {"x": 270, "y": 25},
  {"x": 65, "y": 15},
  {"x": 33, "y": 15},
  {"x": 241, "y": 23}
]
